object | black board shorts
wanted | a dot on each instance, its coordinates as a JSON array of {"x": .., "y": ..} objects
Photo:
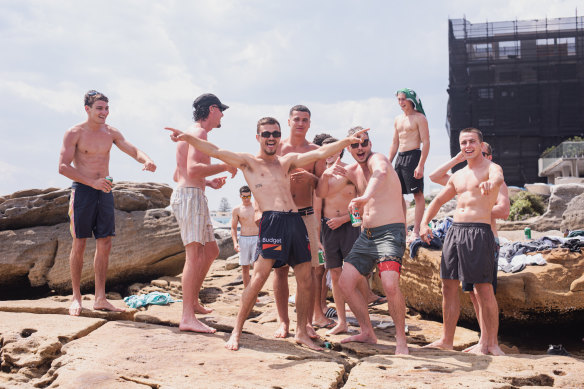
[
  {"x": 91, "y": 212},
  {"x": 337, "y": 243},
  {"x": 405, "y": 164},
  {"x": 467, "y": 254},
  {"x": 283, "y": 238}
]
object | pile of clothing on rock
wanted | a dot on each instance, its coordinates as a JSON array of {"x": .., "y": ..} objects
[{"x": 512, "y": 255}]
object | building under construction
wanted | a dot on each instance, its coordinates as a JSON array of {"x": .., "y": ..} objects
[{"x": 521, "y": 83}]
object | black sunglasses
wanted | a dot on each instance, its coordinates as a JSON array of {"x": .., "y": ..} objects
[
  {"x": 486, "y": 155},
  {"x": 266, "y": 134},
  {"x": 93, "y": 93},
  {"x": 365, "y": 143}
]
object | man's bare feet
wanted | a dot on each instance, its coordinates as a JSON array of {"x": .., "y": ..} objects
[
  {"x": 401, "y": 349},
  {"x": 338, "y": 329},
  {"x": 361, "y": 339},
  {"x": 233, "y": 342},
  {"x": 439, "y": 344},
  {"x": 306, "y": 341},
  {"x": 75, "y": 307},
  {"x": 104, "y": 305},
  {"x": 311, "y": 332},
  {"x": 282, "y": 331},
  {"x": 196, "y": 326},
  {"x": 202, "y": 310},
  {"x": 495, "y": 350}
]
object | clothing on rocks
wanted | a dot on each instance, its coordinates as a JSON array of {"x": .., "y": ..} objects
[
  {"x": 154, "y": 298},
  {"x": 519, "y": 262}
]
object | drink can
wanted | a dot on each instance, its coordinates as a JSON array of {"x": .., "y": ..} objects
[
  {"x": 356, "y": 220},
  {"x": 110, "y": 179},
  {"x": 321, "y": 257},
  {"x": 527, "y": 233}
]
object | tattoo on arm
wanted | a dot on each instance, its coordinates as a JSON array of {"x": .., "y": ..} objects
[{"x": 258, "y": 185}]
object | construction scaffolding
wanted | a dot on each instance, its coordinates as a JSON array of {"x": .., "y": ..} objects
[{"x": 521, "y": 83}]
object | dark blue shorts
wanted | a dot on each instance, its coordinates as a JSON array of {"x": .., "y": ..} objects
[
  {"x": 91, "y": 212},
  {"x": 405, "y": 165},
  {"x": 283, "y": 238},
  {"x": 469, "y": 287}
]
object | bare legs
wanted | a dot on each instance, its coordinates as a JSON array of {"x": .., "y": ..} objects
[
  {"x": 419, "y": 212},
  {"x": 450, "y": 313},
  {"x": 341, "y": 326},
  {"x": 100, "y": 264},
  {"x": 260, "y": 275},
  {"x": 197, "y": 264},
  {"x": 281, "y": 294},
  {"x": 245, "y": 275},
  {"x": 318, "y": 318},
  {"x": 348, "y": 281},
  {"x": 489, "y": 319}
]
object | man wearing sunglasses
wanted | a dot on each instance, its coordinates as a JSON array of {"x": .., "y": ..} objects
[
  {"x": 302, "y": 184},
  {"x": 411, "y": 131},
  {"x": 84, "y": 158},
  {"x": 283, "y": 239},
  {"x": 189, "y": 206},
  {"x": 500, "y": 211},
  {"x": 382, "y": 239},
  {"x": 245, "y": 245}
]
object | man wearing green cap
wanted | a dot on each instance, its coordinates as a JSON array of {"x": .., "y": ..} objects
[{"x": 411, "y": 131}]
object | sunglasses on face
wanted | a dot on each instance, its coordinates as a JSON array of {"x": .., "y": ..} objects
[
  {"x": 266, "y": 134},
  {"x": 486, "y": 155},
  {"x": 365, "y": 143},
  {"x": 246, "y": 196}
]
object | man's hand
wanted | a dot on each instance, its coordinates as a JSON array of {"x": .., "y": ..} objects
[
  {"x": 176, "y": 135},
  {"x": 216, "y": 183},
  {"x": 354, "y": 138},
  {"x": 302, "y": 176},
  {"x": 419, "y": 172},
  {"x": 460, "y": 157},
  {"x": 357, "y": 204},
  {"x": 335, "y": 169},
  {"x": 236, "y": 246},
  {"x": 336, "y": 222},
  {"x": 231, "y": 169},
  {"x": 486, "y": 187},
  {"x": 426, "y": 233},
  {"x": 149, "y": 166},
  {"x": 102, "y": 184}
]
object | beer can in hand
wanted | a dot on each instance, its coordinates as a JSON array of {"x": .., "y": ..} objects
[
  {"x": 356, "y": 220},
  {"x": 110, "y": 179}
]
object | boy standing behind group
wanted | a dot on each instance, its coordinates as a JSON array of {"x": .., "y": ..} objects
[{"x": 248, "y": 239}]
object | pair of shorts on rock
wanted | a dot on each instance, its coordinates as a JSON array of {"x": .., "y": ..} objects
[
  {"x": 405, "y": 165},
  {"x": 192, "y": 214},
  {"x": 283, "y": 238},
  {"x": 383, "y": 246},
  {"x": 311, "y": 223},
  {"x": 247, "y": 248},
  {"x": 469, "y": 287},
  {"x": 91, "y": 212},
  {"x": 337, "y": 243},
  {"x": 467, "y": 254}
]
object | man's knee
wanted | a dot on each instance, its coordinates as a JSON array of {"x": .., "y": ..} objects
[{"x": 104, "y": 244}]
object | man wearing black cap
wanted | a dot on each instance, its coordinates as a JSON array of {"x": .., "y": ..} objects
[{"x": 189, "y": 205}]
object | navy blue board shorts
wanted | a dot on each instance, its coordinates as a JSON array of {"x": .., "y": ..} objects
[
  {"x": 91, "y": 212},
  {"x": 405, "y": 165},
  {"x": 283, "y": 238}
]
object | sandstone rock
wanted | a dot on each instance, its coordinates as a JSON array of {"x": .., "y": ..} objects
[
  {"x": 560, "y": 196},
  {"x": 573, "y": 216},
  {"x": 544, "y": 294},
  {"x": 232, "y": 262},
  {"x": 36, "y": 207}
]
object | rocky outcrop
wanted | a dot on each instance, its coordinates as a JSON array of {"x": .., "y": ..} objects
[
  {"x": 548, "y": 294},
  {"x": 560, "y": 196},
  {"x": 573, "y": 216}
]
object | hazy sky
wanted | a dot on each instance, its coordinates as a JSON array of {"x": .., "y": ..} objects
[{"x": 343, "y": 59}]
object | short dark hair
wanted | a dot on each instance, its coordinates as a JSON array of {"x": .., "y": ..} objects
[
  {"x": 319, "y": 138},
  {"x": 244, "y": 189},
  {"x": 200, "y": 113},
  {"x": 300, "y": 108},
  {"x": 331, "y": 139},
  {"x": 474, "y": 131},
  {"x": 356, "y": 129},
  {"x": 92, "y": 96},
  {"x": 267, "y": 120}
]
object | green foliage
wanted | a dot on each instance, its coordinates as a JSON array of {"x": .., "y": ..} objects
[{"x": 525, "y": 205}]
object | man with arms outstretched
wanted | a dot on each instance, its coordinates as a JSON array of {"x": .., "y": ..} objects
[
  {"x": 302, "y": 184},
  {"x": 382, "y": 241},
  {"x": 411, "y": 130},
  {"x": 84, "y": 159},
  {"x": 469, "y": 246},
  {"x": 283, "y": 236},
  {"x": 189, "y": 205}
]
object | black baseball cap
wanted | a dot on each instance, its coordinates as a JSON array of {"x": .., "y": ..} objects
[{"x": 207, "y": 100}]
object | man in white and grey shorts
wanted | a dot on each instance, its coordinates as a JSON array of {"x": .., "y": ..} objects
[
  {"x": 192, "y": 214},
  {"x": 243, "y": 214}
]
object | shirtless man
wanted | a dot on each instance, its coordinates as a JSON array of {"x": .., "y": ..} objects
[
  {"x": 84, "y": 159},
  {"x": 246, "y": 245},
  {"x": 337, "y": 233},
  {"x": 283, "y": 235},
  {"x": 302, "y": 184},
  {"x": 411, "y": 129},
  {"x": 382, "y": 241},
  {"x": 500, "y": 211},
  {"x": 189, "y": 205},
  {"x": 469, "y": 246}
]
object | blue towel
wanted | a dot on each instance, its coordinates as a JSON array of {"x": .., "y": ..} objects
[{"x": 155, "y": 298}]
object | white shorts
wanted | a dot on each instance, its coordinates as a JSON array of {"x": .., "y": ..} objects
[
  {"x": 247, "y": 248},
  {"x": 192, "y": 214}
]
